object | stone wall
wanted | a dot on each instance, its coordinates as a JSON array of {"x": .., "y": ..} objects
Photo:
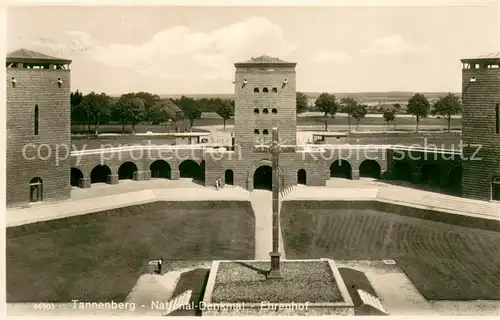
[{"x": 478, "y": 131}]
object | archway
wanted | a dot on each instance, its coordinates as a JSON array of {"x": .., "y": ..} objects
[
  {"x": 301, "y": 176},
  {"x": 263, "y": 178},
  {"x": 36, "y": 189},
  {"x": 76, "y": 175},
  {"x": 455, "y": 180},
  {"x": 402, "y": 171},
  {"x": 229, "y": 177},
  {"x": 100, "y": 174},
  {"x": 430, "y": 175},
  {"x": 126, "y": 171},
  {"x": 369, "y": 168},
  {"x": 341, "y": 169},
  {"x": 160, "y": 169},
  {"x": 189, "y": 169},
  {"x": 495, "y": 189}
]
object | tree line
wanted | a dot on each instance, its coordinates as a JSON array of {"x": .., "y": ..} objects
[
  {"x": 94, "y": 109},
  {"x": 418, "y": 106}
]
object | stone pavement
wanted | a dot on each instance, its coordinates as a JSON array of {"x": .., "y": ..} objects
[
  {"x": 369, "y": 189},
  {"x": 262, "y": 207},
  {"x": 48, "y": 211}
]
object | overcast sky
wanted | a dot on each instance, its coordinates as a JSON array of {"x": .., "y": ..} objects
[{"x": 176, "y": 50}]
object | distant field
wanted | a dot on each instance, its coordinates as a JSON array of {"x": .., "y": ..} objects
[
  {"x": 211, "y": 120},
  {"x": 361, "y": 96}
]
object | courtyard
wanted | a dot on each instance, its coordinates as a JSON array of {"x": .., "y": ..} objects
[{"x": 443, "y": 261}]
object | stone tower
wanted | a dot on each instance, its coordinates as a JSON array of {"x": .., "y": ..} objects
[
  {"x": 265, "y": 98},
  {"x": 38, "y": 127},
  {"x": 481, "y": 127}
]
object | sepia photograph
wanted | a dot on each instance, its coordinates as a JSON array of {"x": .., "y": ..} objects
[{"x": 284, "y": 158}]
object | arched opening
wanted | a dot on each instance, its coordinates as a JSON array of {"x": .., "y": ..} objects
[
  {"x": 455, "y": 180},
  {"x": 36, "y": 189},
  {"x": 100, "y": 174},
  {"x": 275, "y": 90},
  {"x": 189, "y": 169},
  {"x": 274, "y": 110},
  {"x": 256, "y": 131},
  {"x": 256, "y": 111},
  {"x": 229, "y": 177},
  {"x": 341, "y": 169},
  {"x": 301, "y": 176},
  {"x": 402, "y": 171},
  {"x": 263, "y": 178},
  {"x": 495, "y": 189},
  {"x": 265, "y": 132},
  {"x": 160, "y": 169},
  {"x": 126, "y": 171},
  {"x": 430, "y": 175},
  {"x": 265, "y": 111},
  {"x": 369, "y": 169},
  {"x": 256, "y": 90},
  {"x": 76, "y": 175},
  {"x": 265, "y": 90}
]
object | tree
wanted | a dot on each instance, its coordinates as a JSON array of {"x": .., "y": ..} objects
[
  {"x": 130, "y": 110},
  {"x": 359, "y": 113},
  {"x": 158, "y": 113},
  {"x": 349, "y": 106},
  {"x": 302, "y": 102},
  {"x": 419, "y": 106},
  {"x": 389, "y": 115},
  {"x": 225, "y": 110},
  {"x": 150, "y": 101},
  {"x": 78, "y": 114},
  {"x": 136, "y": 112},
  {"x": 447, "y": 106},
  {"x": 96, "y": 107},
  {"x": 326, "y": 104},
  {"x": 190, "y": 109}
]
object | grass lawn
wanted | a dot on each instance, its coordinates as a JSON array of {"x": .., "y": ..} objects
[
  {"x": 444, "y": 261},
  {"x": 305, "y": 281},
  {"x": 301, "y": 121},
  {"x": 99, "y": 256}
]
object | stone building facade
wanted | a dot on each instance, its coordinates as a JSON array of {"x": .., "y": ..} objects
[
  {"x": 38, "y": 113},
  {"x": 481, "y": 127}
]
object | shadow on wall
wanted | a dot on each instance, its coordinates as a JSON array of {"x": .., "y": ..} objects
[{"x": 99, "y": 256}]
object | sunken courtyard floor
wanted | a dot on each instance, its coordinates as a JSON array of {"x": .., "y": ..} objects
[{"x": 443, "y": 260}]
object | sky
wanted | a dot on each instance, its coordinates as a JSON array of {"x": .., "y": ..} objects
[{"x": 192, "y": 50}]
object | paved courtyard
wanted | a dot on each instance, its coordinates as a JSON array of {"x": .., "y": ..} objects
[{"x": 398, "y": 294}]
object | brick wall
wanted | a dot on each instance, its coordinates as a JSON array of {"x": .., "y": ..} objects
[
  {"x": 37, "y": 87},
  {"x": 247, "y": 100},
  {"x": 478, "y": 129}
]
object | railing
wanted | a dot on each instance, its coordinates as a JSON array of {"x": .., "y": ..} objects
[
  {"x": 286, "y": 191},
  {"x": 149, "y": 147},
  {"x": 261, "y": 148}
]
